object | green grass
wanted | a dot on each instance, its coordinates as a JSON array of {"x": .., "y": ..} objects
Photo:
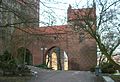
[
  {"x": 14, "y": 79},
  {"x": 116, "y": 78}
]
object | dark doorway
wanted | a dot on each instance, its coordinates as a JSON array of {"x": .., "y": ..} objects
[{"x": 24, "y": 56}]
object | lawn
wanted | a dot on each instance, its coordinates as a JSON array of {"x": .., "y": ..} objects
[
  {"x": 116, "y": 78},
  {"x": 14, "y": 79}
]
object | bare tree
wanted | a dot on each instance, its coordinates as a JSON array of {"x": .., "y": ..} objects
[
  {"x": 48, "y": 14},
  {"x": 22, "y": 15},
  {"x": 16, "y": 14},
  {"x": 105, "y": 21}
]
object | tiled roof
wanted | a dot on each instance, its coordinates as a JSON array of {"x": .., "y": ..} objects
[{"x": 47, "y": 30}]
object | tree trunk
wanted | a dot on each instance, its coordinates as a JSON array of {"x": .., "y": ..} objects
[
  {"x": 116, "y": 66},
  {"x": 105, "y": 52}
]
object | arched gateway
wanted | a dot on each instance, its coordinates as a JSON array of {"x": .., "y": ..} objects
[{"x": 55, "y": 59}]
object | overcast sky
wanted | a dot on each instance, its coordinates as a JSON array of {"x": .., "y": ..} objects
[{"x": 55, "y": 11}]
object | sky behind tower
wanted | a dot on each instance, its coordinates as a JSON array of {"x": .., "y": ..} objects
[{"x": 54, "y": 12}]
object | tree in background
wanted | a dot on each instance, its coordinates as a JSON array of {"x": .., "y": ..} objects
[
  {"x": 16, "y": 14},
  {"x": 104, "y": 27},
  {"x": 19, "y": 14},
  {"x": 106, "y": 21}
]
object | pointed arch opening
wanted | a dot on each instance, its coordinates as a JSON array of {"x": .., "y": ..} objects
[{"x": 56, "y": 59}]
